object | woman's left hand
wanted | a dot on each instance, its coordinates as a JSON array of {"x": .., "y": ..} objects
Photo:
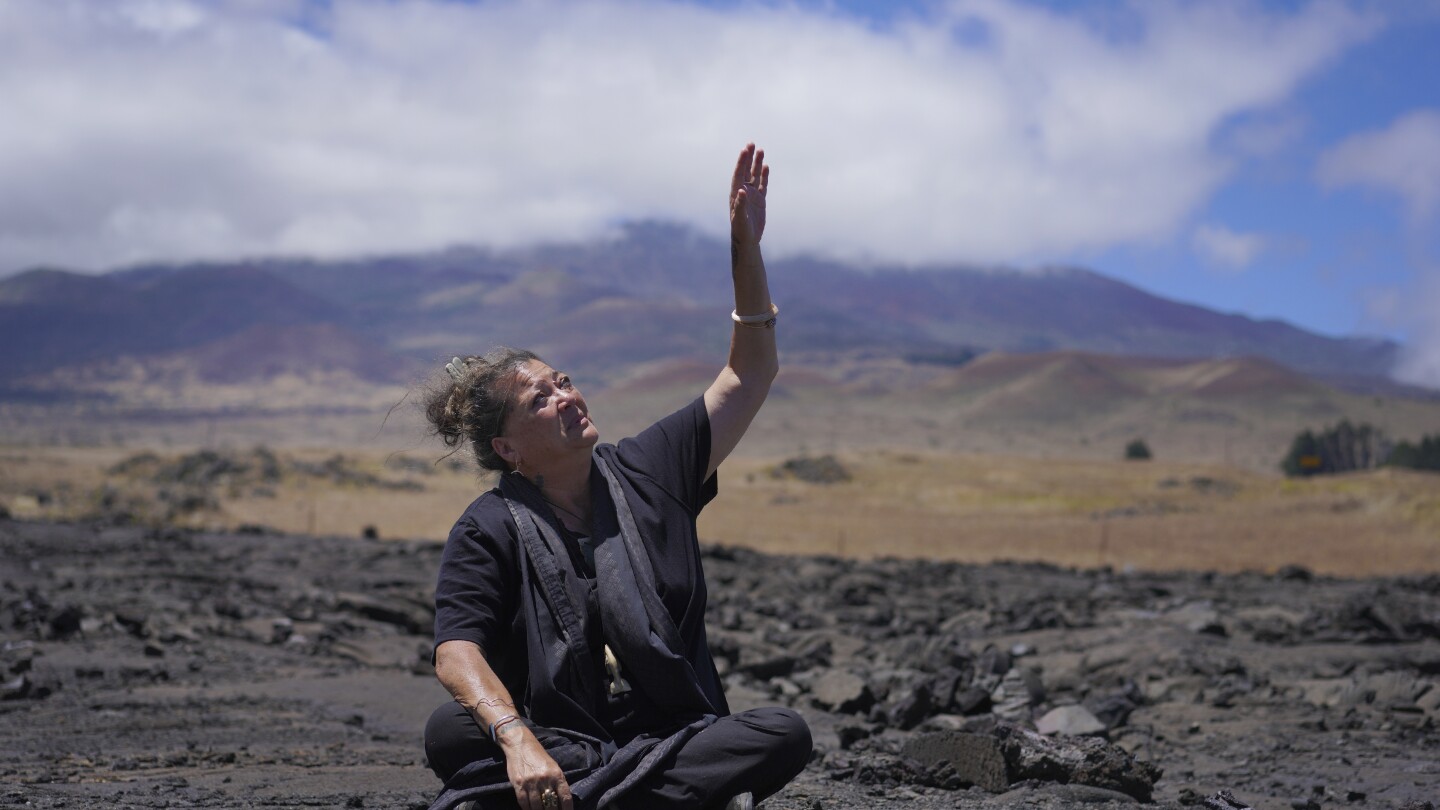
[
  {"x": 747, "y": 196},
  {"x": 533, "y": 773}
]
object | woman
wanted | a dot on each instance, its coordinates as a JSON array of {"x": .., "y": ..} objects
[{"x": 570, "y": 604}]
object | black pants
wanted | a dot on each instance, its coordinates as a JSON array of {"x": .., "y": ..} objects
[{"x": 756, "y": 751}]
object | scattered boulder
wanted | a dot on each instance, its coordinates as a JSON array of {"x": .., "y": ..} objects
[
  {"x": 912, "y": 707},
  {"x": 408, "y": 616},
  {"x": 1224, "y": 800},
  {"x": 976, "y": 759},
  {"x": 1006, "y": 755},
  {"x": 1198, "y": 617},
  {"x": 1018, "y": 691},
  {"x": 905, "y": 669},
  {"x": 843, "y": 692},
  {"x": 1080, "y": 760},
  {"x": 1070, "y": 721}
]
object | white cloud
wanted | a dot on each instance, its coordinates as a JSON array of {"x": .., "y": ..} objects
[
  {"x": 1403, "y": 159},
  {"x": 1415, "y": 310},
  {"x": 1227, "y": 248},
  {"x": 991, "y": 131},
  {"x": 1266, "y": 135}
]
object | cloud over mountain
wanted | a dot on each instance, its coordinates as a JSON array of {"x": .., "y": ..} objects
[
  {"x": 984, "y": 131},
  {"x": 1403, "y": 160}
]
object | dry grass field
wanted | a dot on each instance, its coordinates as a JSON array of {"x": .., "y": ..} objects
[
  {"x": 968, "y": 507},
  {"x": 1084, "y": 513},
  {"x": 1005, "y": 458}
]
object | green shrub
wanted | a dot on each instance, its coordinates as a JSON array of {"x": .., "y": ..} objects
[
  {"x": 1137, "y": 450},
  {"x": 1422, "y": 456}
]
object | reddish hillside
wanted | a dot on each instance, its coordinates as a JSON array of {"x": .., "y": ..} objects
[
  {"x": 1249, "y": 377},
  {"x": 1060, "y": 385},
  {"x": 263, "y": 352}
]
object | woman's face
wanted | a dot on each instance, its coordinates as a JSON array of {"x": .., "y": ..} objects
[{"x": 547, "y": 419}]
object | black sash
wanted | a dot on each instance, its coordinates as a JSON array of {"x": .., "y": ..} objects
[{"x": 564, "y": 694}]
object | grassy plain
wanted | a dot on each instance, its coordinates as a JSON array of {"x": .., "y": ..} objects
[
  {"x": 1088, "y": 513},
  {"x": 1004, "y": 458},
  {"x": 954, "y": 506}
]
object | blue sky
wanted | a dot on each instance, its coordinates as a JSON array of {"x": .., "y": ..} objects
[{"x": 1280, "y": 159}]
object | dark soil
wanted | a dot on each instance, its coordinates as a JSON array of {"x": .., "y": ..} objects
[{"x": 144, "y": 668}]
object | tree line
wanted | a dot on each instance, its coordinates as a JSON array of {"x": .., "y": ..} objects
[{"x": 1347, "y": 447}]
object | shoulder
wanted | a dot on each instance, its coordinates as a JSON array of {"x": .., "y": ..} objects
[
  {"x": 486, "y": 521},
  {"x": 686, "y": 429},
  {"x": 486, "y": 510},
  {"x": 672, "y": 454}
]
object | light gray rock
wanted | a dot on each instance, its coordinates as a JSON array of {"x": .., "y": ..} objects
[
  {"x": 1019, "y": 690},
  {"x": 1070, "y": 721},
  {"x": 1197, "y": 617},
  {"x": 841, "y": 691},
  {"x": 1429, "y": 701}
]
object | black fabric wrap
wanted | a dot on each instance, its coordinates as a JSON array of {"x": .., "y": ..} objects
[{"x": 565, "y": 690}]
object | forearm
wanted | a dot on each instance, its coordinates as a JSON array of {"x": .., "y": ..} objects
[
  {"x": 463, "y": 671},
  {"x": 753, "y": 355}
]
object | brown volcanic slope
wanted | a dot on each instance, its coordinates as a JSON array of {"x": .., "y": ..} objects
[
  {"x": 1053, "y": 385},
  {"x": 1241, "y": 410},
  {"x": 317, "y": 367},
  {"x": 262, "y": 352},
  {"x": 869, "y": 357},
  {"x": 1086, "y": 381},
  {"x": 1187, "y": 404},
  {"x": 52, "y": 319}
]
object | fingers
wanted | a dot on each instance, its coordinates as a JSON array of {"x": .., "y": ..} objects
[
  {"x": 750, "y": 168},
  {"x": 531, "y": 792},
  {"x": 533, "y": 797},
  {"x": 742, "y": 166},
  {"x": 747, "y": 194}
]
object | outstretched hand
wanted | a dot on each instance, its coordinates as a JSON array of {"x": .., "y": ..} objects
[{"x": 747, "y": 196}]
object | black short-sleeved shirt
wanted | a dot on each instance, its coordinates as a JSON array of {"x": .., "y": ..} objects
[{"x": 662, "y": 472}]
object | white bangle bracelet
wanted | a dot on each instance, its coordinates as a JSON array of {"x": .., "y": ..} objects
[{"x": 762, "y": 321}]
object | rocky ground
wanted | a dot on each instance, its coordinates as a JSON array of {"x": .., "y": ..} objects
[{"x": 145, "y": 668}]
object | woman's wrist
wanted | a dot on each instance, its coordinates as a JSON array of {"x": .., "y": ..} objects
[
  {"x": 512, "y": 736},
  {"x": 500, "y": 723},
  {"x": 745, "y": 255}
]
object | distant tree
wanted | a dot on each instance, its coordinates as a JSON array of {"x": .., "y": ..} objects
[
  {"x": 1137, "y": 450},
  {"x": 1342, "y": 448},
  {"x": 1304, "y": 455},
  {"x": 1422, "y": 456}
]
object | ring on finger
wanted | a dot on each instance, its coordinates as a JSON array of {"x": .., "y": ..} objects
[{"x": 549, "y": 799}]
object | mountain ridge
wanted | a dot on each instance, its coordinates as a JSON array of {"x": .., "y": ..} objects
[{"x": 658, "y": 291}]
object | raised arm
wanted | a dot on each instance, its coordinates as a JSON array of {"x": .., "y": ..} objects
[{"x": 737, "y": 394}]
